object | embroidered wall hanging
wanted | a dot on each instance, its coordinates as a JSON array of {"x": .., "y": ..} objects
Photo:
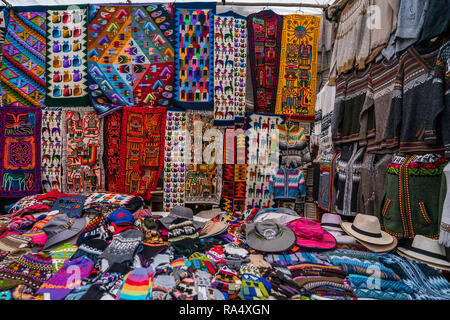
[
  {"x": 142, "y": 145},
  {"x": 20, "y": 151},
  {"x": 194, "y": 55},
  {"x": 203, "y": 175},
  {"x": 51, "y": 146},
  {"x": 298, "y": 67},
  {"x": 82, "y": 151},
  {"x": 264, "y": 38},
  {"x": 262, "y": 158},
  {"x": 67, "y": 83},
  {"x": 111, "y": 158},
  {"x": 174, "y": 159},
  {"x": 22, "y": 72},
  {"x": 230, "y": 56},
  {"x": 131, "y": 57}
]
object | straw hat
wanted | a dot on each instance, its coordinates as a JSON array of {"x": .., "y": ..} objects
[
  {"x": 331, "y": 222},
  {"x": 426, "y": 250}
]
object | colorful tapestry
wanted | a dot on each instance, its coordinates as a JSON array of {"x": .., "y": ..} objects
[
  {"x": 20, "y": 151},
  {"x": 230, "y": 68},
  {"x": 22, "y": 72},
  {"x": 67, "y": 83},
  {"x": 262, "y": 158},
  {"x": 174, "y": 160},
  {"x": 82, "y": 151},
  {"x": 204, "y": 169},
  {"x": 130, "y": 56},
  {"x": 264, "y": 38},
  {"x": 142, "y": 146},
  {"x": 111, "y": 158},
  {"x": 194, "y": 55},
  {"x": 298, "y": 67},
  {"x": 51, "y": 146},
  {"x": 234, "y": 171}
]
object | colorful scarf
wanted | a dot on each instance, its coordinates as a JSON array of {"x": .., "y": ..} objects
[
  {"x": 112, "y": 134},
  {"x": 22, "y": 72},
  {"x": 298, "y": 67},
  {"x": 174, "y": 161},
  {"x": 51, "y": 144},
  {"x": 230, "y": 56},
  {"x": 20, "y": 151},
  {"x": 82, "y": 151},
  {"x": 142, "y": 149},
  {"x": 193, "y": 58},
  {"x": 67, "y": 83},
  {"x": 130, "y": 56},
  {"x": 264, "y": 38}
]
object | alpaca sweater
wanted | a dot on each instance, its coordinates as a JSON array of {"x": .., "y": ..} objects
[
  {"x": 285, "y": 184},
  {"x": 293, "y": 146}
]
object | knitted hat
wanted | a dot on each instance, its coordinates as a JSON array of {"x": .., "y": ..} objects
[
  {"x": 15, "y": 243},
  {"x": 31, "y": 270},
  {"x": 95, "y": 228},
  {"x": 67, "y": 278},
  {"x": 38, "y": 238},
  {"x": 71, "y": 206},
  {"x": 143, "y": 213},
  {"x": 136, "y": 285},
  {"x": 182, "y": 229},
  {"x": 216, "y": 254},
  {"x": 91, "y": 248},
  {"x": 200, "y": 261},
  {"x": 42, "y": 222},
  {"x": 187, "y": 288},
  {"x": 180, "y": 212},
  {"x": 162, "y": 285},
  {"x": 121, "y": 216},
  {"x": 61, "y": 254},
  {"x": 226, "y": 280},
  {"x": 123, "y": 247},
  {"x": 61, "y": 228}
]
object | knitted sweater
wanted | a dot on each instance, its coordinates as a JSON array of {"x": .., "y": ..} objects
[
  {"x": 293, "y": 145},
  {"x": 322, "y": 126},
  {"x": 285, "y": 184}
]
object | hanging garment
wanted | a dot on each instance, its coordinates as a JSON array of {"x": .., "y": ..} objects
[
  {"x": 327, "y": 187},
  {"x": 112, "y": 134},
  {"x": 287, "y": 184},
  {"x": 293, "y": 146}
]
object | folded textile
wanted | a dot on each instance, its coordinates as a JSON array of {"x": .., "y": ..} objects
[
  {"x": 310, "y": 270},
  {"x": 297, "y": 258},
  {"x": 364, "y": 282},
  {"x": 382, "y": 295}
]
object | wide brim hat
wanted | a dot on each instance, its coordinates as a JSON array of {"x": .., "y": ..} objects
[
  {"x": 310, "y": 235},
  {"x": 59, "y": 229},
  {"x": 379, "y": 248},
  {"x": 367, "y": 228},
  {"x": 212, "y": 228},
  {"x": 331, "y": 222},
  {"x": 268, "y": 236},
  {"x": 180, "y": 212}
]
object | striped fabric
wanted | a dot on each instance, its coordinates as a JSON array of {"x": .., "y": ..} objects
[
  {"x": 135, "y": 285},
  {"x": 285, "y": 185}
]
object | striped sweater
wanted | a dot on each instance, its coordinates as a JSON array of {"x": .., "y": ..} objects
[{"x": 285, "y": 184}]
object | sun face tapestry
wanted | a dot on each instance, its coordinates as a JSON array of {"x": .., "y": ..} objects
[
  {"x": 298, "y": 67},
  {"x": 51, "y": 145},
  {"x": 174, "y": 160},
  {"x": 67, "y": 83},
  {"x": 22, "y": 72},
  {"x": 20, "y": 151},
  {"x": 203, "y": 169},
  {"x": 82, "y": 151},
  {"x": 131, "y": 56},
  {"x": 264, "y": 38},
  {"x": 230, "y": 56},
  {"x": 113, "y": 125},
  {"x": 142, "y": 145},
  {"x": 194, "y": 55}
]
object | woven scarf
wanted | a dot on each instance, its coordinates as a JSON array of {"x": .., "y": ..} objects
[
  {"x": 193, "y": 55},
  {"x": 22, "y": 72},
  {"x": 130, "y": 56},
  {"x": 264, "y": 38},
  {"x": 82, "y": 151},
  {"x": 67, "y": 83},
  {"x": 20, "y": 151},
  {"x": 142, "y": 150},
  {"x": 112, "y": 134},
  {"x": 298, "y": 67},
  {"x": 230, "y": 56},
  {"x": 51, "y": 145}
]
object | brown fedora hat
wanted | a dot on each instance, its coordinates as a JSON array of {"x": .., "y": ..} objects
[{"x": 367, "y": 228}]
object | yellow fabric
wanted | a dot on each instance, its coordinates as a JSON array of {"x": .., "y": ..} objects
[{"x": 296, "y": 95}]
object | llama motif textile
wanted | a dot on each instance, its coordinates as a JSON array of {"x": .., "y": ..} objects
[
  {"x": 264, "y": 38},
  {"x": 174, "y": 159},
  {"x": 194, "y": 55},
  {"x": 262, "y": 158},
  {"x": 204, "y": 165},
  {"x": 298, "y": 67},
  {"x": 230, "y": 56},
  {"x": 67, "y": 83},
  {"x": 82, "y": 151},
  {"x": 131, "y": 57},
  {"x": 142, "y": 144},
  {"x": 22, "y": 72},
  {"x": 20, "y": 151},
  {"x": 51, "y": 146},
  {"x": 113, "y": 125}
]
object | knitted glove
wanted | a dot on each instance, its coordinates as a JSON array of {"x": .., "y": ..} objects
[
  {"x": 202, "y": 284},
  {"x": 216, "y": 254},
  {"x": 231, "y": 249},
  {"x": 254, "y": 287},
  {"x": 187, "y": 289},
  {"x": 180, "y": 269},
  {"x": 258, "y": 261},
  {"x": 162, "y": 285},
  {"x": 201, "y": 262},
  {"x": 226, "y": 280}
]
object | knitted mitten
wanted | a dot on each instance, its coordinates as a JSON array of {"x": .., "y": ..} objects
[
  {"x": 162, "y": 285},
  {"x": 180, "y": 269},
  {"x": 201, "y": 262},
  {"x": 226, "y": 280},
  {"x": 202, "y": 284},
  {"x": 187, "y": 288},
  {"x": 216, "y": 255},
  {"x": 254, "y": 287}
]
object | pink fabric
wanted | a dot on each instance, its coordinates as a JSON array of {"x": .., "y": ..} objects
[{"x": 311, "y": 235}]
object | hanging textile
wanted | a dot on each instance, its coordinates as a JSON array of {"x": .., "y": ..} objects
[
  {"x": 193, "y": 55},
  {"x": 230, "y": 62},
  {"x": 203, "y": 174},
  {"x": 67, "y": 83},
  {"x": 174, "y": 160},
  {"x": 130, "y": 56},
  {"x": 298, "y": 67},
  {"x": 142, "y": 146},
  {"x": 22, "y": 72},
  {"x": 82, "y": 151},
  {"x": 112, "y": 134},
  {"x": 20, "y": 151},
  {"x": 51, "y": 145},
  {"x": 264, "y": 38}
]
